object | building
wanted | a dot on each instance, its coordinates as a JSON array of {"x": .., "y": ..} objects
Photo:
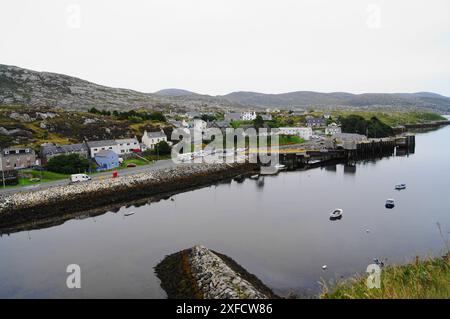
[
  {"x": 333, "y": 129},
  {"x": 248, "y": 116},
  {"x": 48, "y": 151},
  {"x": 266, "y": 117},
  {"x": 96, "y": 146},
  {"x": 128, "y": 146},
  {"x": 17, "y": 158},
  {"x": 152, "y": 138},
  {"x": 302, "y": 132},
  {"x": 316, "y": 122},
  {"x": 106, "y": 159},
  {"x": 244, "y": 116}
]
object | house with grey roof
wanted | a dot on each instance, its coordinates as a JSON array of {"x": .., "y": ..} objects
[
  {"x": 96, "y": 146},
  {"x": 150, "y": 139},
  {"x": 48, "y": 151}
]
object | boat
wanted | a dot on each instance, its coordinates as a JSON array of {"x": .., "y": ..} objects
[
  {"x": 256, "y": 176},
  {"x": 400, "y": 186},
  {"x": 336, "y": 214},
  {"x": 239, "y": 178},
  {"x": 272, "y": 170},
  {"x": 280, "y": 167},
  {"x": 390, "y": 203}
]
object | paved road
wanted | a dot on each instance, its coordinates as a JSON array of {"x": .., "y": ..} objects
[{"x": 129, "y": 171}]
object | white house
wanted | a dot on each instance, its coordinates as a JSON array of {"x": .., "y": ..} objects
[
  {"x": 127, "y": 145},
  {"x": 152, "y": 138},
  {"x": 97, "y": 146},
  {"x": 333, "y": 129},
  {"x": 303, "y": 132},
  {"x": 248, "y": 116},
  {"x": 244, "y": 116}
]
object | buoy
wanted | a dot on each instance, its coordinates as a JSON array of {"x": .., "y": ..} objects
[{"x": 324, "y": 267}]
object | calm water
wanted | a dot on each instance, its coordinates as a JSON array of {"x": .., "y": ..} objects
[{"x": 279, "y": 231}]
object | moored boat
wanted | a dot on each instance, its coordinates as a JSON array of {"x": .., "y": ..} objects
[
  {"x": 390, "y": 203},
  {"x": 336, "y": 214}
]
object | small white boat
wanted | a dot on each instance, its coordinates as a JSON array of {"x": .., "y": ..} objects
[
  {"x": 272, "y": 170},
  {"x": 390, "y": 203},
  {"x": 336, "y": 214},
  {"x": 256, "y": 176},
  {"x": 400, "y": 186}
]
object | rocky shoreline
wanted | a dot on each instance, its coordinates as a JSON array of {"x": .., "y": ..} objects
[
  {"x": 32, "y": 206},
  {"x": 199, "y": 273}
]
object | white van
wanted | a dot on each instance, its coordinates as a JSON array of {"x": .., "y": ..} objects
[{"x": 75, "y": 178}]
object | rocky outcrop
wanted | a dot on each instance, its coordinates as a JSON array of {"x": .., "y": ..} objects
[
  {"x": 217, "y": 280},
  {"x": 199, "y": 273}
]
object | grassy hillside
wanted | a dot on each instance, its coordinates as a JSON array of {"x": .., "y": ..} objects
[
  {"x": 394, "y": 118},
  {"x": 418, "y": 280},
  {"x": 33, "y": 126}
]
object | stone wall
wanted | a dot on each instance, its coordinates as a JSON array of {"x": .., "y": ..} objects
[{"x": 217, "y": 280}]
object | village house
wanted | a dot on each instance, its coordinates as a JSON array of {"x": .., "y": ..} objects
[
  {"x": 106, "y": 159},
  {"x": 316, "y": 122},
  {"x": 150, "y": 139},
  {"x": 333, "y": 129},
  {"x": 302, "y": 132},
  {"x": 48, "y": 151},
  {"x": 244, "y": 116},
  {"x": 96, "y": 146},
  {"x": 17, "y": 157},
  {"x": 128, "y": 146}
]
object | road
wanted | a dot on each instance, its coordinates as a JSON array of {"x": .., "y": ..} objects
[{"x": 128, "y": 171}]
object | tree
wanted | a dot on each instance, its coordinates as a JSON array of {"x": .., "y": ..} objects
[
  {"x": 68, "y": 164},
  {"x": 162, "y": 148},
  {"x": 258, "y": 122},
  {"x": 373, "y": 128}
]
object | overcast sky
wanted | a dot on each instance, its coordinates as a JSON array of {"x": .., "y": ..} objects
[{"x": 219, "y": 46}]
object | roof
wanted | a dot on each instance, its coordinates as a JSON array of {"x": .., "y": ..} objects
[
  {"x": 127, "y": 140},
  {"x": 105, "y": 153},
  {"x": 156, "y": 134},
  {"x": 58, "y": 149},
  {"x": 232, "y": 116},
  {"x": 91, "y": 144}
]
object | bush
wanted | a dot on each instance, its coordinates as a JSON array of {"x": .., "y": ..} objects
[
  {"x": 372, "y": 128},
  {"x": 162, "y": 148},
  {"x": 68, "y": 164}
]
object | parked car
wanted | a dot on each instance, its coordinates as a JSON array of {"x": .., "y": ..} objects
[
  {"x": 131, "y": 165},
  {"x": 76, "y": 178}
]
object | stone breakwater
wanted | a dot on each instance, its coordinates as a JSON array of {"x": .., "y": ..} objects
[
  {"x": 26, "y": 206},
  {"x": 199, "y": 273},
  {"x": 216, "y": 280}
]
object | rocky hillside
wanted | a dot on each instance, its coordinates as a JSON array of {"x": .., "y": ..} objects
[
  {"x": 30, "y": 88},
  {"x": 305, "y": 99}
]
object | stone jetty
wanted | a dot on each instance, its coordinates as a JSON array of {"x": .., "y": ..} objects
[
  {"x": 32, "y": 205},
  {"x": 199, "y": 273}
]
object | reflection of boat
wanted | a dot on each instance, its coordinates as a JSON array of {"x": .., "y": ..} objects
[
  {"x": 336, "y": 214},
  {"x": 390, "y": 203},
  {"x": 400, "y": 186},
  {"x": 239, "y": 178},
  {"x": 272, "y": 170}
]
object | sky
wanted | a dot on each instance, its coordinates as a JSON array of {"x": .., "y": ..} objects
[{"x": 219, "y": 46}]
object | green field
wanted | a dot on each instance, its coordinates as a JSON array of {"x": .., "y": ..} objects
[
  {"x": 290, "y": 139},
  {"x": 26, "y": 177},
  {"x": 417, "y": 280}
]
